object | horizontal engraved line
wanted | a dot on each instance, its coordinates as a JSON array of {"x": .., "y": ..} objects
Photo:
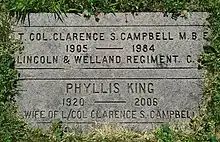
[
  {"x": 106, "y": 48},
  {"x": 110, "y": 102},
  {"x": 40, "y": 68},
  {"x": 144, "y": 68},
  {"x": 97, "y": 26},
  {"x": 58, "y": 79}
]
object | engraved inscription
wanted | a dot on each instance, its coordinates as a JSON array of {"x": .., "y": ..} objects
[{"x": 136, "y": 73}]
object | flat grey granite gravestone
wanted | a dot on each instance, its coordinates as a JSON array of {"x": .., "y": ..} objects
[{"x": 136, "y": 71}]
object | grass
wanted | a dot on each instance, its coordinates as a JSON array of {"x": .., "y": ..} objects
[{"x": 204, "y": 127}]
